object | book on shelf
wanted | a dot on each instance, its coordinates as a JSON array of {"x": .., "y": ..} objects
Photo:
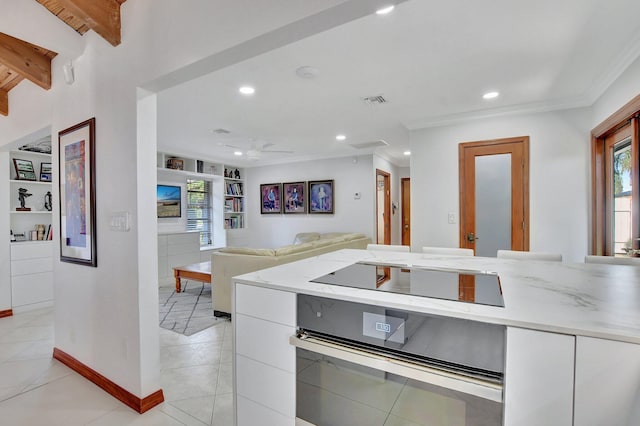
[{"x": 234, "y": 188}]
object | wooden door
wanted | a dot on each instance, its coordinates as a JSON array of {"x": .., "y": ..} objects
[
  {"x": 516, "y": 152},
  {"x": 405, "y": 185}
]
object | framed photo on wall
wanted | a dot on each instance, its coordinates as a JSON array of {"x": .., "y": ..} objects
[
  {"x": 321, "y": 196},
  {"x": 294, "y": 194},
  {"x": 78, "y": 194},
  {"x": 271, "y": 198}
]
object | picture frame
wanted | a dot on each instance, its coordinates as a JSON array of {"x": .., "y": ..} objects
[
  {"x": 270, "y": 198},
  {"x": 294, "y": 195},
  {"x": 45, "y": 172},
  {"x": 169, "y": 201},
  {"x": 175, "y": 163},
  {"x": 320, "y": 196},
  {"x": 24, "y": 169},
  {"x": 77, "y": 180}
]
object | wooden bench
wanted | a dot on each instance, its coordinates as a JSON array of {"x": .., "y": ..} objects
[{"x": 196, "y": 271}]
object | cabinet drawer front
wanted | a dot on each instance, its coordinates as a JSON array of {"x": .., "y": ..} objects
[
  {"x": 251, "y": 414},
  {"x": 265, "y": 341},
  {"x": 31, "y": 266},
  {"x": 607, "y": 382},
  {"x": 31, "y": 250},
  {"x": 538, "y": 378},
  {"x": 191, "y": 238},
  {"x": 34, "y": 288},
  {"x": 266, "y": 385},
  {"x": 179, "y": 249},
  {"x": 182, "y": 260},
  {"x": 265, "y": 303}
]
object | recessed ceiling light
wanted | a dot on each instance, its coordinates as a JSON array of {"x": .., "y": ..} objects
[
  {"x": 237, "y": 153},
  {"x": 490, "y": 95},
  {"x": 340, "y": 137},
  {"x": 307, "y": 72},
  {"x": 385, "y": 10},
  {"x": 407, "y": 153},
  {"x": 247, "y": 90}
]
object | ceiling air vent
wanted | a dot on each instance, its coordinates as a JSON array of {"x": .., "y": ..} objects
[
  {"x": 371, "y": 144},
  {"x": 374, "y": 100},
  {"x": 221, "y": 131}
]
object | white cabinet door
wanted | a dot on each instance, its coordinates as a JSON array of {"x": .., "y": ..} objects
[
  {"x": 538, "y": 378},
  {"x": 264, "y": 362},
  {"x": 607, "y": 383}
]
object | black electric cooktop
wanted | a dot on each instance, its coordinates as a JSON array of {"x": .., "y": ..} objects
[{"x": 482, "y": 288}]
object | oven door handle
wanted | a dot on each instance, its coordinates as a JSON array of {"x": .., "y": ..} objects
[{"x": 468, "y": 385}]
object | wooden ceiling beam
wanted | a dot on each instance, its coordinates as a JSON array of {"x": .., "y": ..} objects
[
  {"x": 102, "y": 16},
  {"x": 4, "y": 102},
  {"x": 26, "y": 59}
]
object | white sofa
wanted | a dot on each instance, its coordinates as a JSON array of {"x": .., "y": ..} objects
[{"x": 232, "y": 261}]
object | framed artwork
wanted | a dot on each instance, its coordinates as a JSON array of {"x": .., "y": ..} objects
[
  {"x": 271, "y": 198},
  {"x": 24, "y": 169},
  {"x": 78, "y": 194},
  {"x": 294, "y": 194},
  {"x": 45, "y": 172},
  {"x": 169, "y": 199},
  {"x": 321, "y": 196}
]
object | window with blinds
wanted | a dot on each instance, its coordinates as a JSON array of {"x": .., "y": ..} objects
[{"x": 199, "y": 209}]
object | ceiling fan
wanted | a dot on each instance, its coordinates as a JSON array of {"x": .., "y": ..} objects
[{"x": 256, "y": 150}]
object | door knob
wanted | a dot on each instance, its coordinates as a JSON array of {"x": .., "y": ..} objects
[{"x": 471, "y": 237}]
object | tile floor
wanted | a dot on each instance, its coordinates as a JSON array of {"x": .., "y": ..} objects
[{"x": 37, "y": 390}]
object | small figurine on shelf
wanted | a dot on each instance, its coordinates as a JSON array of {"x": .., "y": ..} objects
[
  {"x": 13, "y": 237},
  {"x": 22, "y": 194},
  {"x": 226, "y": 173},
  {"x": 237, "y": 174},
  {"x": 47, "y": 201}
]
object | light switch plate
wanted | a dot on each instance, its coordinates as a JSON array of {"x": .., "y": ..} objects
[
  {"x": 119, "y": 221},
  {"x": 451, "y": 218}
]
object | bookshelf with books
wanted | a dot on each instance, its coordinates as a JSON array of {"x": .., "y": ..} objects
[{"x": 234, "y": 199}]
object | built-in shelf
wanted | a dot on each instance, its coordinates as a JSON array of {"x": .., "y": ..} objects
[
  {"x": 31, "y": 212},
  {"x": 29, "y": 182},
  {"x": 17, "y": 153}
]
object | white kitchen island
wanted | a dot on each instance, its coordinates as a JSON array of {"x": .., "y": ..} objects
[{"x": 572, "y": 345}]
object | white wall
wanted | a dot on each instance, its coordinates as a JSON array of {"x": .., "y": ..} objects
[
  {"x": 559, "y": 179},
  {"x": 625, "y": 88},
  {"x": 101, "y": 313},
  {"x": 351, "y": 215}
]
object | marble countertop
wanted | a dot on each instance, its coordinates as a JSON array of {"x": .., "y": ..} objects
[{"x": 592, "y": 300}]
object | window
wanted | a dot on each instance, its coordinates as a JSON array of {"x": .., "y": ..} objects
[
  {"x": 199, "y": 209},
  {"x": 616, "y": 184}
]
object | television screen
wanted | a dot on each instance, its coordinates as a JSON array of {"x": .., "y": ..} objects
[{"x": 169, "y": 201}]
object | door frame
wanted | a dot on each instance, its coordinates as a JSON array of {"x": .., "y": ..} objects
[
  {"x": 387, "y": 206},
  {"x": 405, "y": 211},
  {"x": 496, "y": 146}
]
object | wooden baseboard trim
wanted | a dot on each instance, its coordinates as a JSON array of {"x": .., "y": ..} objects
[
  {"x": 139, "y": 404},
  {"x": 6, "y": 313}
]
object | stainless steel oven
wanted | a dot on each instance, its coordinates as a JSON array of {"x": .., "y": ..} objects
[{"x": 360, "y": 364}]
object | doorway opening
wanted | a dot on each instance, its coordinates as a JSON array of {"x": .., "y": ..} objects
[{"x": 383, "y": 207}]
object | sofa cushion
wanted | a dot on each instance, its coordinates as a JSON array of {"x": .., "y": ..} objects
[
  {"x": 322, "y": 243},
  {"x": 332, "y": 235},
  {"x": 354, "y": 236},
  {"x": 249, "y": 251},
  {"x": 305, "y": 237},
  {"x": 293, "y": 249}
]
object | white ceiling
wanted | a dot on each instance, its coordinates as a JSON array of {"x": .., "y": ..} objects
[{"x": 432, "y": 61}]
